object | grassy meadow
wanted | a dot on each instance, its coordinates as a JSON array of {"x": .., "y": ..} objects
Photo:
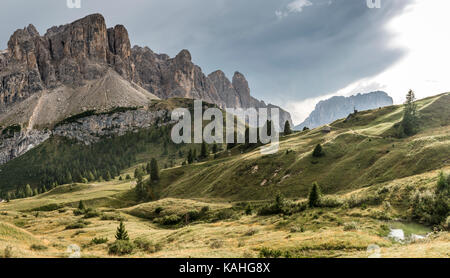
[{"x": 220, "y": 207}]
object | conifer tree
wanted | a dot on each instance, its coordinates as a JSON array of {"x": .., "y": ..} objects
[
  {"x": 81, "y": 205},
  {"x": 121, "y": 233},
  {"x": 90, "y": 176},
  {"x": 108, "y": 176},
  {"x": 28, "y": 191},
  {"x": 154, "y": 170},
  {"x": 190, "y": 157},
  {"x": 409, "y": 121},
  {"x": 314, "y": 195},
  {"x": 68, "y": 178},
  {"x": 204, "y": 151},
  {"x": 287, "y": 128},
  {"x": 318, "y": 152}
]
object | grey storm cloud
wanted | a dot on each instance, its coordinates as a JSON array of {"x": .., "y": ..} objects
[{"x": 286, "y": 53}]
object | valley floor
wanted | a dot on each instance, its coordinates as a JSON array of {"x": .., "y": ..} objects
[{"x": 43, "y": 226}]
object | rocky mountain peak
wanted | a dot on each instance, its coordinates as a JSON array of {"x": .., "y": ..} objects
[
  {"x": 184, "y": 56},
  {"x": 85, "y": 51},
  {"x": 241, "y": 85}
]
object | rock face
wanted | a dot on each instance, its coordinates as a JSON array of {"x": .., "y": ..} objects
[
  {"x": 91, "y": 129},
  {"x": 236, "y": 94},
  {"x": 338, "y": 107},
  {"x": 86, "y": 130},
  {"x": 19, "y": 143},
  {"x": 72, "y": 54}
]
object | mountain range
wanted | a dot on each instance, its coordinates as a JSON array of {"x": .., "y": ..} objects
[
  {"x": 85, "y": 65},
  {"x": 337, "y": 107}
]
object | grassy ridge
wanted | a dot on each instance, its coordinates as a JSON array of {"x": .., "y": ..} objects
[{"x": 357, "y": 154}]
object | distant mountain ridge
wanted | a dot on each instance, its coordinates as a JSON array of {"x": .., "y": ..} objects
[{"x": 337, "y": 107}]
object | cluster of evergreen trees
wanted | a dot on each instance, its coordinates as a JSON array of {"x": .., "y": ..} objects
[
  {"x": 62, "y": 161},
  {"x": 143, "y": 187}
]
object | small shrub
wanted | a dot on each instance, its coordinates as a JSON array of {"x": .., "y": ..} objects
[
  {"x": 216, "y": 244},
  {"x": 7, "y": 253},
  {"x": 350, "y": 226},
  {"x": 248, "y": 210},
  {"x": 38, "y": 247},
  {"x": 443, "y": 184},
  {"x": 77, "y": 225},
  {"x": 330, "y": 202},
  {"x": 99, "y": 240},
  {"x": 193, "y": 215},
  {"x": 78, "y": 212},
  {"x": 113, "y": 217},
  {"x": 147, "y": 245},
  {"x": 273, "y": 253},
  {"x": 383, "y": 190},
  {"x": 91, "y": 213},
  {"x": 49, "y": 207},
  {"x": 297, "y": 229},
  {"x": 430, "y": 207},
  {"x": 225, "y": 214},
  {"x": 158, "y": 210},
  {"x": 171, "y": 220},
  {"x": 62, "y": 210},
  {"x": 121, "y": 247},
  {"x": 447, "y": 223},
  {"x": 280, "y": 205},
  {"x": 204, "y": 209},
  {"x": 251, "y": 232}
]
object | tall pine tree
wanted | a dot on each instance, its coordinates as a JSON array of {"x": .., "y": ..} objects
[
  {"x": 154, "y": 170},
  {"x": 409, "y": 121},
  {"x": 314, "y": 195},
  {"x": 287, "y": 128}
]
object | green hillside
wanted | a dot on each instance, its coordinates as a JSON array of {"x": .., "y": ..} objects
[
  {"x": 358, "y": 153},
  {"x": 229, "y": 205}
]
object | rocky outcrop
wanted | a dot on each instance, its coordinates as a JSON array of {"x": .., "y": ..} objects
[
  {"x": 91, "y": 129},
  {"x": 19, "y": 143},
  {"x": 86, "y": 130},
  {"x": 339, "y": 107}
]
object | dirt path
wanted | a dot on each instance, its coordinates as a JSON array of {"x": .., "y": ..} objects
[{"x": 36, "y": 109}]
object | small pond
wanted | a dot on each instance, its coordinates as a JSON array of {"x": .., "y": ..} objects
[{"x": 407, "y": 231}]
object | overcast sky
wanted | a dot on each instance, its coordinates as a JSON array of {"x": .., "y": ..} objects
[{"x": 293, "y": 52}]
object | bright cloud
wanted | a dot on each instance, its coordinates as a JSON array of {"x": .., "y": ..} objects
[
  {"x": 295, "y": 6},
  {"x": 422, "y": 30}
]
